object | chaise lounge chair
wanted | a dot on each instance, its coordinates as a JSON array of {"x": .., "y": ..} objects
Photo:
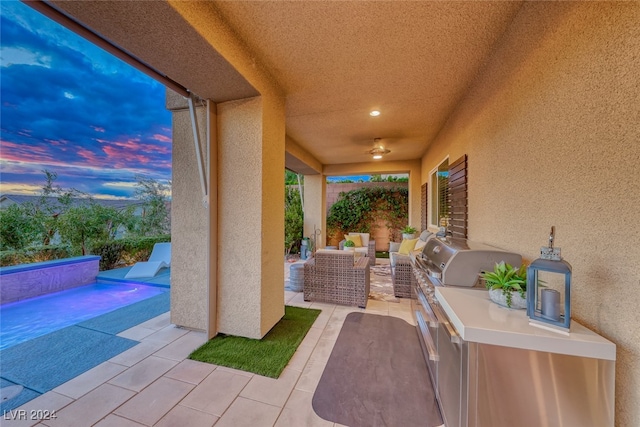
[{"x": 160, "y": 258}]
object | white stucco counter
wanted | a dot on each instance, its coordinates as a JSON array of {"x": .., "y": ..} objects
[{"x": 478, "y": 319}]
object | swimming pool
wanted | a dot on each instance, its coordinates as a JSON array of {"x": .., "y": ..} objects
[{"x": 23, "y": 320}]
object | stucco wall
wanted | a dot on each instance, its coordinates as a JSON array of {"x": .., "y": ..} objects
[
  {"x": 315, "y": 216},
  {"x": 250, "y": 228},
  {"x": 272, "y": 205},
  {"x": 552, "y": 130},
  {"x": 189, "y": 227}
]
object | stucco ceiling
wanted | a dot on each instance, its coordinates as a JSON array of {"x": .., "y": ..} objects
[{"x": 335, "y": 61}]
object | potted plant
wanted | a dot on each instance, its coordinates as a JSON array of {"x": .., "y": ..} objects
[
  {"x": 507, "y": 285},
  {"x": 408, "y": 232},
  {"x": 349, "y": 246}
]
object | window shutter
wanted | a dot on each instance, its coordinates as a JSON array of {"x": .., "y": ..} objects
[{"x": 458, "y": 198}]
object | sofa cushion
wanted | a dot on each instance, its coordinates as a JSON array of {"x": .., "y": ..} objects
[
  {"x": 424, "y": 236},
  {"x": 394, "y": 246},
  {"x": 364, "y": 237},
  {"x": 420, "y": 244},
  {"x": 407, "y": 246},
  {"x": 355, "y": 238}
]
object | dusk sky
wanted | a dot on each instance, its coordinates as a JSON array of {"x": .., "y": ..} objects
[{"x": 71, "y": 108}]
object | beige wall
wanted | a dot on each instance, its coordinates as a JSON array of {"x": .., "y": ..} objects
[
  {"x": 315, "y": 213},
  {"x": 272, "y": 206},
  {"x": 250, "y": 216},
  {"x": 552, "y": 130},
  {"x": 189, "y": 227}
]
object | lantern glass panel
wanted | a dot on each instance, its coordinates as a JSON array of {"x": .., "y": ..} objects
[{"x": 550, "y": 280}]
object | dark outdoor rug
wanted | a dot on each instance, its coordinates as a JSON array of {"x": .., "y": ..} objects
[
  {"x": 45, "y": 362},
  {"x": 376, "y": 376},
  {"x": 129, "y": 316}
]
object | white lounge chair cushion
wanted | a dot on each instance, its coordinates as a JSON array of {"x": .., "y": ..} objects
[
  {"x": 160, "y": 258},
  {"x": 145, "y": 269}
]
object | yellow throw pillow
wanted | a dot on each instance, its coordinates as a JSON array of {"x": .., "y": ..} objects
[
  {"x": 407, "y": 246},
  {"x": 356, "y": 239}
]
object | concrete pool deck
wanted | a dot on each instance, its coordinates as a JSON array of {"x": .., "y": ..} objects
[{"x": 154, "y": 384}]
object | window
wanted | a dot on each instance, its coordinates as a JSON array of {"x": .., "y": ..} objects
[{"x": 439, "y": 183}]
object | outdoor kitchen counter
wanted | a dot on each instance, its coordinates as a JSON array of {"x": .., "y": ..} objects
[{"x": 478, "y": 319}]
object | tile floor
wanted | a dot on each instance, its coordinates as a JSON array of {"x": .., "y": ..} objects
[{"x": 152, "y": 384}]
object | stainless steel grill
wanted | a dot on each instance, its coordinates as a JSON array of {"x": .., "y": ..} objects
[
  {"x": 456, "y": 262},
  {"x": 448, "y": 262}
]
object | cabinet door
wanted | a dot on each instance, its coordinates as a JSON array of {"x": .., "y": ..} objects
[{"x": 449, "y": 377}]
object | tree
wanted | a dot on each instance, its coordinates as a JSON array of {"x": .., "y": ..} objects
[
  {"x": 155, "y": 218},
  {"x": 291, "y": 178},
  {"x": 17, "y": 228},
  {"x": 293, "y": 218},
  {"x": 88, "y": 222}
]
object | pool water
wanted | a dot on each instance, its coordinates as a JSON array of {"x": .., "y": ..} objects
[{"x": 23, "y": 320}]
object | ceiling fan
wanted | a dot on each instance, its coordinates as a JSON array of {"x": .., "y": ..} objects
[{"x": 378, "y": 150}]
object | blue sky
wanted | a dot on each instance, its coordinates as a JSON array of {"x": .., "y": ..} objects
[{"x": 69, "y": 107}]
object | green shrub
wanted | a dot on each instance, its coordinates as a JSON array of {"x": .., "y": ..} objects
[
  {"x": 124, "y": 252},
  {"x": 358, "y": 210},
  {"x": 293, "y": 220},
  {"x": 34, "y": 254}
]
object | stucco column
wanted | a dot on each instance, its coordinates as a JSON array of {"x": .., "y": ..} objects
[
  {"x": 193, "y": 261},
  {"x": 315, "y": 207},
  {"x": 251, "y": 137}
]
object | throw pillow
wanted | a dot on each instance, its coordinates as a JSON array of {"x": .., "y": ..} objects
[
  {"x": 420, "y": 244},
  {"x": 394, "y": 246},
  {"x": 356, "y": 239},
  {"x": 407, "y": 246},
  {"x": 363, "y": 236}
]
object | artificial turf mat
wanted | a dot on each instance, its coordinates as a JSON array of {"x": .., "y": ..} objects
[{"x": 267, "y": 356}]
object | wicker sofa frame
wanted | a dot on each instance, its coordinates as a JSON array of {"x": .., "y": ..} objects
[
  {"x": 371, "y": 250},
  {"x": 402, "y": 277},
  {"x": 333, "y": 277}
]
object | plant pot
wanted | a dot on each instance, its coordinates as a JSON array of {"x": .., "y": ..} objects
[
  {"x": 408, "y": 236},
  {"x": 517, "y": 302},
  {"x": 349, "y": 248}
]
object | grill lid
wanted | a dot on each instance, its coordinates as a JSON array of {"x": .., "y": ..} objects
[{"x": 458, "y": 262}]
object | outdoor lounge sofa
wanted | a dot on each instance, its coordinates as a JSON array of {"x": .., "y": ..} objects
[
  {"x": 368, "y": 247},
  {"x": 338, "y": 277},
  {"x": 401, "y": 272},
  {"x": 160, "y": 258}
]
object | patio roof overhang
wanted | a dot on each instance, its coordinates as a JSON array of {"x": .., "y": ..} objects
[{"x": 334, "y": 62}]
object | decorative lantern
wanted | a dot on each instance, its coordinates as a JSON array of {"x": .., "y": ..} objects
[{"x": 544, "y": 304}]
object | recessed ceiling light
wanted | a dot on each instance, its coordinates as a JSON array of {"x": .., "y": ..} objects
[{"x": 374, "y": 113}]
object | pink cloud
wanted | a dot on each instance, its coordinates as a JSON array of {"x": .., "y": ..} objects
[
  {"x": 90, "y": 157},
  {"x": 23, "y": 152},
  {"x": 122, "y": 158},
  {"x": 161, "y": 138}
]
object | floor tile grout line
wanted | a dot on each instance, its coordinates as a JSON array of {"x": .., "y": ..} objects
[{"x": 303, "y": 367}]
